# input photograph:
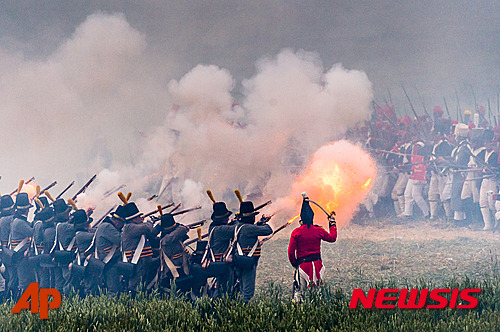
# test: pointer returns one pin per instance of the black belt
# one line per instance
(309, 258)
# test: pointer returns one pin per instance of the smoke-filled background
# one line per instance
(175, 97)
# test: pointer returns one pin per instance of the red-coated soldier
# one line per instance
(304, 249)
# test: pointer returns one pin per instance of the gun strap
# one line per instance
(138, 250)
(55, 240)
(240, 251)
(21, 244)
(208, 248)
(109, 255)
(33, 244)
(170, 265)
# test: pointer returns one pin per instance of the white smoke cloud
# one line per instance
(96, 105)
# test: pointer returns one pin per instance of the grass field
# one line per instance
(419, 255)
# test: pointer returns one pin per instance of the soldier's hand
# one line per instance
(332, 221)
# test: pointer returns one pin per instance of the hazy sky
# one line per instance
(436, 46)
(88, 81)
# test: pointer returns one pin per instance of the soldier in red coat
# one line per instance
(304, 249)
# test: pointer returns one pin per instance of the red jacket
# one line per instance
(307, 241)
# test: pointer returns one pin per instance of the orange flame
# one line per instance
(30, 189)
(292, 219)
(338, 178)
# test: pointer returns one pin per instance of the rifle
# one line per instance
(175, 208)
(279, 229)
(15, 190)
(48, 187)
(187, 210)
(85, 186)
(65, 189)
(98, 222)
(262, 205)
(416, 115)
(196, 224)
(446, 106)
(112, 191)
(155, 211)
(423, 105)
(458, 107)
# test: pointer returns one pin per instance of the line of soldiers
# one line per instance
(450, 170)
(126, 251)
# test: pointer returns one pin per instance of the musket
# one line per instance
(85, 186)
(279, 229)
(155, 211)
(15, 190)
(423, 105)
(262, 205)
(187, 210)
(98, 222)
(196, 224)
(446, 106)
(65, 190)
(415, 113)
(175, 208)
(195, 239)
(48, 187)
(385, 116)
(489, 110)
(112, 191)
(391, 152)
(458, 107)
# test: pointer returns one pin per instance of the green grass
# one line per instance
(271, 310)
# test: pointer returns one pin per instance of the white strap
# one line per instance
(138, 250)
(250, 254)
(110, 254)
(208, 248)
(91, 245)
(170, 265)
(240, 251)
(21, 244)
(33, 243)
(71, 244)
(55, 240)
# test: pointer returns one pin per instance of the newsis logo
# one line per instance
(33, 296)
(414, 298)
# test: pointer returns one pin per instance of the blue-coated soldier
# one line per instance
(41, 272)
(248, 248)
(83, 241)
(21, 234)
(135, 238)
(7, 207)
(219, 238)
(108, 240)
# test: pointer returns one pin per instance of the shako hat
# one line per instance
(60, 206)
(306, 213)
(130, 211)
(46, 214)
(220, 211)
(118, 213)
(22, 201)
(247, 209)
(6, 203)
(45, 203)
(79, 217)
(167, 221)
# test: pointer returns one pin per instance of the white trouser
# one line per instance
(439, 190)
(471, 187)
(486, 203)
(398, 192)
(413, 194)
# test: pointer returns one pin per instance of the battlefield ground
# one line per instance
(370, 254)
